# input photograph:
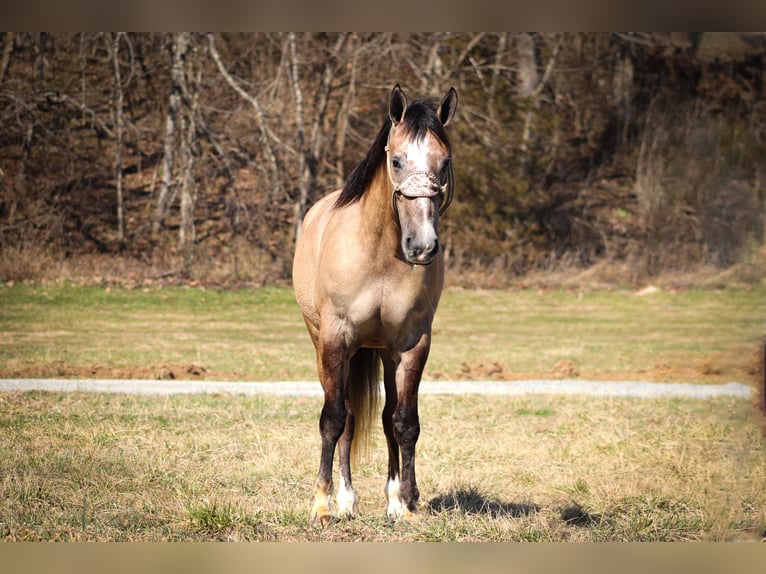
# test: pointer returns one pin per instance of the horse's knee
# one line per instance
(332, 421)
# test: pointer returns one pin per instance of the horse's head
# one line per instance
(419, 163)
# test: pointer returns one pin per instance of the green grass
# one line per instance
(706, 335)
(693, 335)
(128, 468)
(241, 334)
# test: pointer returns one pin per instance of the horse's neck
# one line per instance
(377, 213)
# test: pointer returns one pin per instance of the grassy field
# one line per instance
(537, 468)
(126, 468)
(692, 336)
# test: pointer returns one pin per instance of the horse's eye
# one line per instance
(396, 163)
(444, 168)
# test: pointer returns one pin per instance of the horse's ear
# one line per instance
(447, 107)
(397, 105)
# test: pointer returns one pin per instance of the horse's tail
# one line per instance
(363, 394)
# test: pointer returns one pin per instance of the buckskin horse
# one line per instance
(368, 273)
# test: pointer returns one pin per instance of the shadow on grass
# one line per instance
(471, 501)
(576, 515)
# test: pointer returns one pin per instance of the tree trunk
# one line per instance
(623, 88)
(502, 42)
(530, 87)
(187, 230)
(118, 124)
(527, 66)
(5, 59)
(528, 81)
(42, 38)
(345, 111)
(179, 46)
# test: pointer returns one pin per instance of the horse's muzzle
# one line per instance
(418, 252)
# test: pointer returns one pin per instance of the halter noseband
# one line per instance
(421, 184)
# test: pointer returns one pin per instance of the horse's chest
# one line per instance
(402, 306)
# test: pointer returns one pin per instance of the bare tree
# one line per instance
(5, 58)
(188, 185)
(179, 46)
(267, 135)
(311, 150)
(346, 106)
(113, 43)
(531, 85)
(500, 53)
(558, 146)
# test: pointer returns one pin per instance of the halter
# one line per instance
(421, 184)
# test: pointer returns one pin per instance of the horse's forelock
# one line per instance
(420, 118)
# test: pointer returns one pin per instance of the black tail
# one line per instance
(363, 394)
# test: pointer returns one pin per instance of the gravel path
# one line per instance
(639, 389)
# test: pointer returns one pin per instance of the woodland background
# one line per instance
(148, 157)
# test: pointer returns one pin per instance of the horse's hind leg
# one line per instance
(394, 507)
(346, 497)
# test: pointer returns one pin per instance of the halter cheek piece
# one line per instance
(421, 184)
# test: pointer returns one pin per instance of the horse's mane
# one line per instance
(419, 119)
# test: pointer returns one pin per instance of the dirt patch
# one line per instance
(708, 370)
(499, 371)
(719, 369)
(565, 368)
(63, 369)
(481, 370)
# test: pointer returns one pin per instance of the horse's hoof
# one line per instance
(321, 517)
(395, 510)
(403, 514)
(412, 516)
(346, 515)
(321, 521)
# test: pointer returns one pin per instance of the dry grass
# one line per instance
(240, 263)
(112, 467)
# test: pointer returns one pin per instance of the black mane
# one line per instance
(419, 119)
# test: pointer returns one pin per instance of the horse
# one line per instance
(368, 273)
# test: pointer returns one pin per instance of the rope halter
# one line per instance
(421, 184)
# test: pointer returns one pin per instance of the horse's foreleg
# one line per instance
(407, 430)
(406, 422)
(332, 423)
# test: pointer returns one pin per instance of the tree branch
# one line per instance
(266, 133)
